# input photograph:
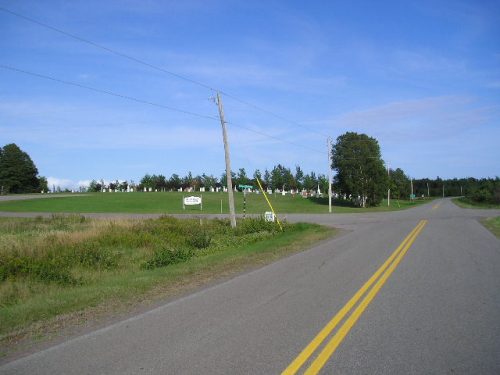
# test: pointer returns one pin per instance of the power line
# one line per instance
(142, 62)
(142, 101)
(273, 114)
(107, 92)
(107, 49)
(274, 137)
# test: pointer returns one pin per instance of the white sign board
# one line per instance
(192, 201)
(269, 216)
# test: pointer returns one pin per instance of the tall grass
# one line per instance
(70, 260)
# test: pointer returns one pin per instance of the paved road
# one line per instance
(437, 313)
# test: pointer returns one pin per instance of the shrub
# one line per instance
(200, 239)
(92, 255)
(43, 269)
(164, 256)
(252, 225)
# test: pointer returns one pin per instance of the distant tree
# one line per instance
(289, 179)
(159, 182)
(360, 169)
(242, 178)
(208, 181)
(278, 177)
(299, 177)
(266, 179)
(42, 184)
(146, 182)
(123, 185)
(18, 173)
(174, 182)
(310, 181)
(223, 179)
(323, 183)
(257, 175)
(399, 184)
(94, 187)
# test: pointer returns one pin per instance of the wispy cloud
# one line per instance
(416, 119)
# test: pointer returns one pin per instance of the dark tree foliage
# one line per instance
(18, 173)
(360, 169)
(484, 190)
(399, 184)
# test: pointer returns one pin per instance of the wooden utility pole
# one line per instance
(329, 146)
(232, 214)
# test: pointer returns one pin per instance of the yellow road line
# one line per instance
(337, 339)
(436, 206)
(323, 334)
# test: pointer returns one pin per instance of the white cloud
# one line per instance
(63, 183)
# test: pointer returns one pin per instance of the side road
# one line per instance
(437, 313)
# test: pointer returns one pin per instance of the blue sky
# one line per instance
(423, 77)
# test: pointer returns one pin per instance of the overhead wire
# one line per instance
(107, 92)
(142, 101)
(152, 66)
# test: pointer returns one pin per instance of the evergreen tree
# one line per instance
(18, 173)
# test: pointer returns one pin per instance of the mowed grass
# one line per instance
(466, 203)
(171, 203)
(68, 264)
(493, 224)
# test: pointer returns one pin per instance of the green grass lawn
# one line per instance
(171, 203)
(493, 224)
(466, 203)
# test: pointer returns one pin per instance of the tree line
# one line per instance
(361, 177)
(280, 177)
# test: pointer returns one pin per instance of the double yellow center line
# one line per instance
(377, 281)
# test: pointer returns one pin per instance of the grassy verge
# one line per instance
(59, 266)
(466, 203)
(171, 203)
(493, 224)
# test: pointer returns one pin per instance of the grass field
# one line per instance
(465, 203)
(171, 203)
(493, 224)
(69, 264)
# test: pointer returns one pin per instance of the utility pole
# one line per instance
(389, 187)
(411, 182)
(443, 190)
(428, 195)
(232, 214)
(329, 146)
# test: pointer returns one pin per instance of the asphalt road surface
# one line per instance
(428, 282)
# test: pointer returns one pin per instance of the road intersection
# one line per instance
(431, 306)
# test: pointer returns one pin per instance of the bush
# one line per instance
(92, 255)
(164, 256)
(43, 269)
(252, 225)
(200, 239)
